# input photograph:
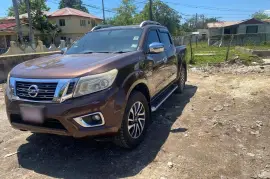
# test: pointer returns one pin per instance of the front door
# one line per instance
(170, 69)
(154, 65)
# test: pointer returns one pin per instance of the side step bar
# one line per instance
(155, 107)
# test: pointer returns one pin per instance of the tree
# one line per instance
(124, 14)
(202, 21)
(163, 14)
(260, 15)
(39, 19)
(34, 5)
(76, 4)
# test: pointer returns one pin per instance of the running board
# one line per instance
(155, 107)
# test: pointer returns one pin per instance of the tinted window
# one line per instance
(116, 40)
(152, 37)
(165, 39)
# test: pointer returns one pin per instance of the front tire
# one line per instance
(135, 122)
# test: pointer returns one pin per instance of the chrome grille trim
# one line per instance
(53, 94)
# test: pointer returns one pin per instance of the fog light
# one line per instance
(91, 120)
(96, 117)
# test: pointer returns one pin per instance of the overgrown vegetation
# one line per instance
(39, 19)
(204, 54)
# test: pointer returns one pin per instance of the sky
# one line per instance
(226, 10)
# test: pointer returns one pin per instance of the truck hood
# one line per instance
(63, 66)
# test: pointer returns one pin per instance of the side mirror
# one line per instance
(63, 50)
(156, 47)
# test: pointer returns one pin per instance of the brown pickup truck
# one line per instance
(106, 84)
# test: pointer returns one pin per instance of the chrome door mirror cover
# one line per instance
(156, 47)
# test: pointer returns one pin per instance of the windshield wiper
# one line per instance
(122, 51)
(87, 52)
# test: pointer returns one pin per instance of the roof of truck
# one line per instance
(129, 27)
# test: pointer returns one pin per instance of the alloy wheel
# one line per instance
(136, 120)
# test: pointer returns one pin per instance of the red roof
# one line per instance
(6, 26)
(71, 12)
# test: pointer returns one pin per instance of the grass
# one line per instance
(220, 54)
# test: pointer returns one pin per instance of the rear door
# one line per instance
(154, 64)
(171, 64)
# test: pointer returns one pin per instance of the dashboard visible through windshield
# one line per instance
(107, 41)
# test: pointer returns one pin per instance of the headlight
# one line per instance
(8, 78)
(94, 83)
(9, 88)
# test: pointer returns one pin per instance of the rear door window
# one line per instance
(165, 39)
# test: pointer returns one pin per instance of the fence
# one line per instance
(225, 47)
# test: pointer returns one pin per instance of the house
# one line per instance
(72, 22)
(248, 30)
(8, 32)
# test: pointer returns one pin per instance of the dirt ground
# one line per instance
(219, 128)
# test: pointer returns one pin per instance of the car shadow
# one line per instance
(66, 157)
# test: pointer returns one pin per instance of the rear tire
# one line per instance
(135, 122)
(181, 82)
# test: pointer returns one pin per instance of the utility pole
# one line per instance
(31, 33)
(196, 21)
(150, 10)
(203, 26)
(196, 24)
(103, 11)
(17, 18)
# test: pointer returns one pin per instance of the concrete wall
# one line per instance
(9, 61)
(215, 31)
(15, 49)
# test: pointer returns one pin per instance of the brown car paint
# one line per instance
(134, 69)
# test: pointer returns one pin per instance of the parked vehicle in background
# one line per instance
(107, 83)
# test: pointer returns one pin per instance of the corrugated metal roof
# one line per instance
(222, 24)
(6, 26)
(72, 12)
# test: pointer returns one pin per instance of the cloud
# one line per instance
(267, 12)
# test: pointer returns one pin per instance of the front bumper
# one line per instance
(59, 117)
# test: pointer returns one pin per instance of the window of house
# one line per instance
(93, 23)
(63, 38)
(88, 22)
(252, 29)
(230, 30)
(165, 39)
(152, 37)
(83, 23)
(62, 22)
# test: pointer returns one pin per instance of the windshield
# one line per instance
(107, 41)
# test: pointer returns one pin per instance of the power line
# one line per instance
(208, 7)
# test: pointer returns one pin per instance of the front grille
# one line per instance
(45, 90)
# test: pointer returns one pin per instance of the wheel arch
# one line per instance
(136, 81)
